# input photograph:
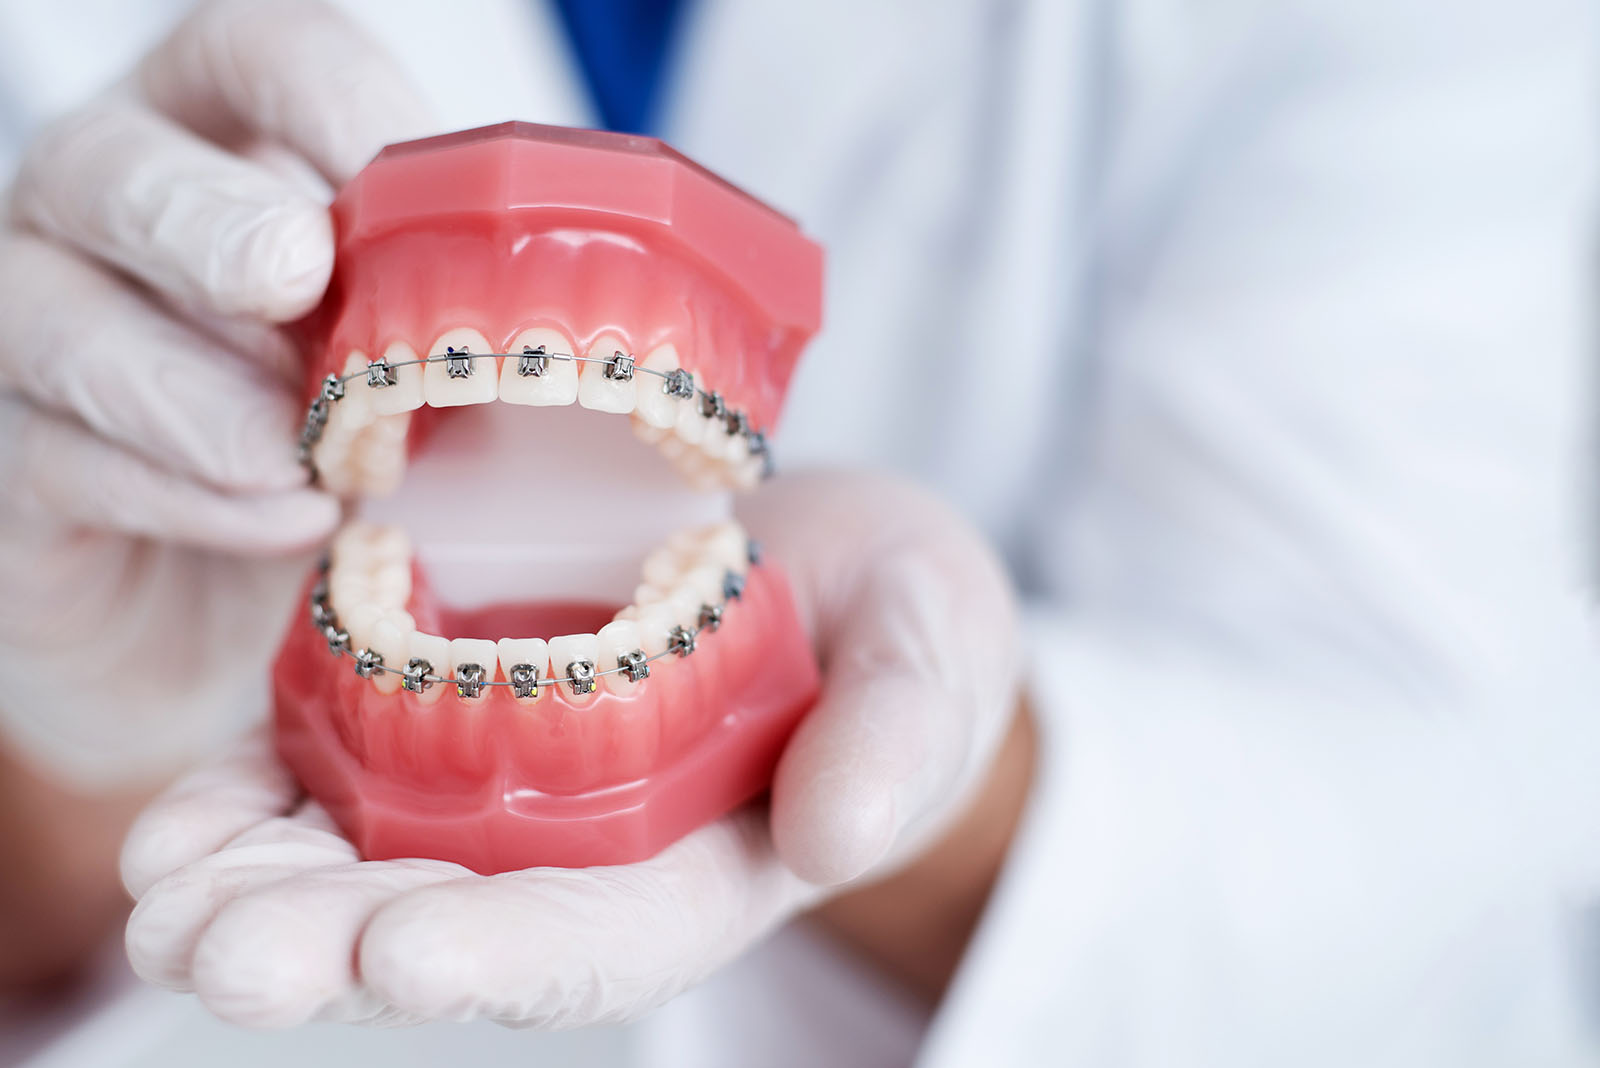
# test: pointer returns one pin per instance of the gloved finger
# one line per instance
(284, 954)
(206, 809)
(137, 377)
(558, 948)
(136, 190)
(169, 920)
(57, 471)
(916, 631)
(296, 72)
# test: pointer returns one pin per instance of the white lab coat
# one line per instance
(1257, 334)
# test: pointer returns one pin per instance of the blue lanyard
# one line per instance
(622, 47)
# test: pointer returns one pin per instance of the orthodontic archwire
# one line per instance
(524, 679)
(532, 362)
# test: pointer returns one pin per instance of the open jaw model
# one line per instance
(569, 654)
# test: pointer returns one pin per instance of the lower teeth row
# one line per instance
(524, 679)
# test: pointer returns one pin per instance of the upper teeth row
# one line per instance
(608, 378)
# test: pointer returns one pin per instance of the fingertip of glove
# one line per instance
(286, 255)
(827, 839)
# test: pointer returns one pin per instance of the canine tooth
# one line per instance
(597, 389)
(436, 651)
(391, 639)
(655, 407)
(559, 382)
(465, 651)
(567, 650)
(406, 393)
(444, 385)
(357, 402)
(514, 652)
(614, 640)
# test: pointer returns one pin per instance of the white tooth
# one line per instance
(644, 594)
(474, 651)
(360, 622)
(436, 651)
(655, 621)
(715, 442)
(388, 545)
(685, 606)
(738, 449)
(534, 651)
(613, 640)
(705, 583)
(690, 425)
(357, 401)
(406, 393)
(558, 384)
(564, 651)
(479, 387)
(747, 476)
(650, 435)
(378, 456)
(595, 390)
(726, 547)
(347, 586)
(391, 639)
(662, 568)
(391, 585)
(655, 406)
(353, 544)
(702, 473)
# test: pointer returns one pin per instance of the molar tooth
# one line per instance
(654, 406)
(568, 649)
(465, 651)
(436, 651)
(514, 652)
(391, 585)
(596, 389)
(662, 568)
(444, 389)
(558, 384)
(650, 435)
(655, 621)
(388, 544)
(406, 393)
(352, 544)
(360, 622)
(391, 639)
(685, 606)
(705, 583)
(614, 640)
(726, 548)
(715, 442)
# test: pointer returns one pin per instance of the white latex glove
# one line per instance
(250, 897)
(148, 408)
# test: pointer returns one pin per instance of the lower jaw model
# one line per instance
(552, 355)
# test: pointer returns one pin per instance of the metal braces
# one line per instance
(524, 680)
(532, 362)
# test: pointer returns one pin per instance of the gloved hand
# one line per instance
(249, 896)
(147, 408)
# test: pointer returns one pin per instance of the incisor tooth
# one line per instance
(567, 649)
(558, 384)
(480, 386)
(516, 651)
(406, 393)
(656, 408)
(464, 651)
(598, 392)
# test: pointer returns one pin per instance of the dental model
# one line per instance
(524, 674)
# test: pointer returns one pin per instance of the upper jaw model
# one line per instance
(595, 658)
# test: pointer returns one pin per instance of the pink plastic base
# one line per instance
(489, 785)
